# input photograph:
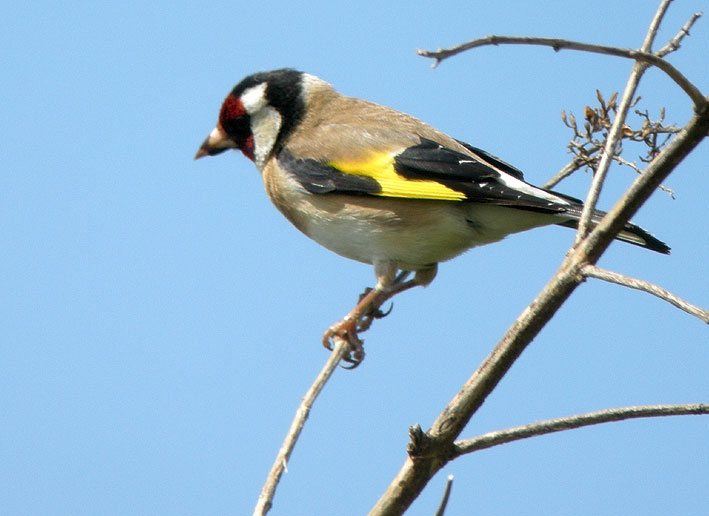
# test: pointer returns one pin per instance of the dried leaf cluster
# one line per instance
(588, 140)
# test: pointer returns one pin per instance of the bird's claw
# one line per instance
(355, 354)
(376, 313)
(359, 320)
(368, 317)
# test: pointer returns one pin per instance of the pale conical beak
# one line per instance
(216, 142)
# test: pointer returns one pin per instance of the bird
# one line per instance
(379, 186)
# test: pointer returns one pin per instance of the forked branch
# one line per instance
(434, 447)
(559, 44)
(430, 451)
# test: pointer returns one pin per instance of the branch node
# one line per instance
(420, 442)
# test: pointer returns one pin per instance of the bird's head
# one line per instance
(258, 114)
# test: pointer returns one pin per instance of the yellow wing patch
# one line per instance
(380, 167)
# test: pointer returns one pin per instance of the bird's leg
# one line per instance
(347, 328)
(367, 309)
(374, 312)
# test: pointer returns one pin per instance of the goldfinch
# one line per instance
(380, 186)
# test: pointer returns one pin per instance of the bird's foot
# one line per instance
(346, 329)
(368, 309)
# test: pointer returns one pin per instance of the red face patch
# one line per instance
(235, 122)
(232, 109)
(248, 147)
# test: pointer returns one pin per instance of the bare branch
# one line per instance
(549, 426)
(268, 490)
(437, 445)
(632, 165)
(430, 451)
(591, 271)
(655, 25)
(674, 43)
(446, 494)
(637, 169)
(615, 134)
(566, 171)
(559, 44)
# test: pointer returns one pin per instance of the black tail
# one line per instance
(630, 233)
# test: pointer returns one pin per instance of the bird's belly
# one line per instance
(412, 233)
(415, 234)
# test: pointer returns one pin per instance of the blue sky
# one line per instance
(161, 320)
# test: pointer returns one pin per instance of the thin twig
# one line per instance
(655, 25)
(674, 43)
(568, 169)
(446, 495)
(268, 491)
(630, 164)
(614, 136)
(637, 169)
(591, 271)
(558, 44)
(549, 426)
(616, 130)
(615, 133)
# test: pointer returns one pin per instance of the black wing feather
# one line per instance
(432, 161)
(479, 180)
(320, 178)
(494, 160)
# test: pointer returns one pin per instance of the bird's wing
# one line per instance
(423, 170)
(382, 163)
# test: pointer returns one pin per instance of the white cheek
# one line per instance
(265, 122)
(265, 125)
